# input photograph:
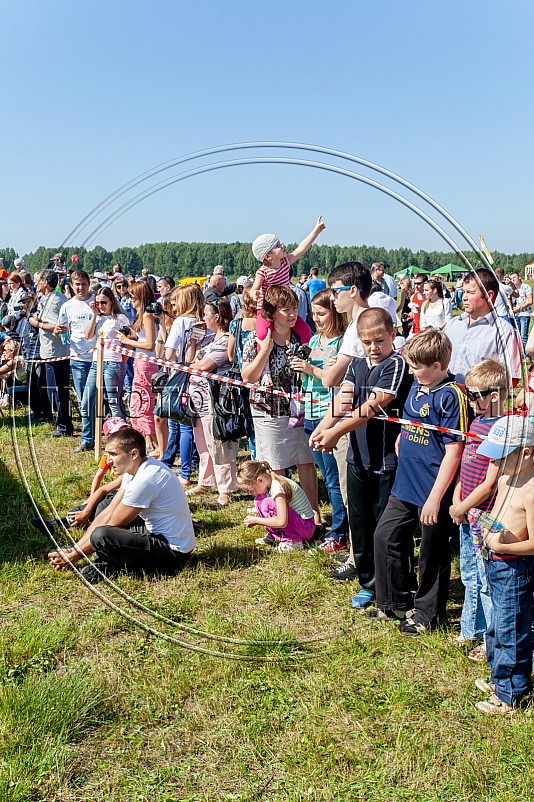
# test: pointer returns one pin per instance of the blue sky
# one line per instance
(96, 93)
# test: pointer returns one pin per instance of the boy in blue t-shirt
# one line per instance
(428, 461)
(372, 386)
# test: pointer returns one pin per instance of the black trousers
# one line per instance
(368, 495)
(38, 396)
(394, 562)
(57, 381)
(137, 550)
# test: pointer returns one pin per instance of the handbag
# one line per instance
(231, 419)
(173, 399)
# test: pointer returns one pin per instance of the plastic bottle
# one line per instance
(65, 336)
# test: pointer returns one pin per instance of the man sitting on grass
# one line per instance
(148, 489)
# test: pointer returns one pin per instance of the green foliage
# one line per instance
(184, 259)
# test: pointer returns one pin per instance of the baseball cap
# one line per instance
(384, 302)
(112, 425)
(507, 434)
(60, 256)
(218, 270)
(244, 281)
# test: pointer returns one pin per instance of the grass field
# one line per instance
(94, 707)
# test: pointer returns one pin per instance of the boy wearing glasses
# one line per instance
(487, 385)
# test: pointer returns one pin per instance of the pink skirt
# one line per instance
(142, 399)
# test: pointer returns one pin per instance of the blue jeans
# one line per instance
(522, 325)
(180, 438)
(113, 384)
(328, 467)
(80, 372)
(476, 612)
(128, 378)
(509, 634)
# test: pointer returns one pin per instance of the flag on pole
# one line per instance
(485, 249)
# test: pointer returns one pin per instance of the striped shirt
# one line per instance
(273, 278)
(474, 467)
(299, 500)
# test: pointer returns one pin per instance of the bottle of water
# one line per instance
(65, 336)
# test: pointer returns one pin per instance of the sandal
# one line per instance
(478, 654)
(223, 501)
(198, 490)
(183, 482)
(458, 640)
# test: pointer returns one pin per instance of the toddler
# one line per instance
(275, 271)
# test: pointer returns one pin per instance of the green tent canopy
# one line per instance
(448, 270)
(411, 270)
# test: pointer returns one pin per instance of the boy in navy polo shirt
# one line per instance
(372, 386)
(428, 461)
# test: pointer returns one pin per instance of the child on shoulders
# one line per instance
(275, 271)
(282, 506)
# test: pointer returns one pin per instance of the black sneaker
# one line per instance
(344, 573)
(379, 615)
(49, 527)
(412, 627)
(95, 573)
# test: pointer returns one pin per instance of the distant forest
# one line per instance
(183, 259)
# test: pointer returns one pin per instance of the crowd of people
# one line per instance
(395, 395)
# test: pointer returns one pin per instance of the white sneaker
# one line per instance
(266, 540)
(289, 545)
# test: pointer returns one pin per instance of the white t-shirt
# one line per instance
(109, 326)
(79, 314)
(156, 490)
(178, 335)
(391, 285)
(351, 345)
(502, 306)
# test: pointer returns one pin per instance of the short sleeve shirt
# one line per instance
(524, 291)
(474, 467)
(79, 315)
(49, 311)
(109, 326)
(351, 345)
(299, 500)
(372, 446)
(155, 489)
(216, 350)
(421, 450)
(177, 337)
(317, 397)
(272, 278)
(484, 337)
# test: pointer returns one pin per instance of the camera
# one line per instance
(18, 308)
(125, 330)
(155, 308)
(299, 351)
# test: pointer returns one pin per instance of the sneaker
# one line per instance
(412, 627)
(386, 615)
(494, 705)
(49, 527)
(344, 573)
(93, 574)
(266, 540)
(83, 447)
(329, 545)
(363, 599)
(288, 545)
(485, 687)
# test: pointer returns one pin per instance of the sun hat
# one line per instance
(263, 244)
(507, 434)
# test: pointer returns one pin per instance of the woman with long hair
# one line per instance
(331, 325)
(188, 308)
(143, 338)
(267, 362)
(106, 321)
(436, 310)
(217, 459)
(403, 308)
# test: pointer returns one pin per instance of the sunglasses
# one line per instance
(475, 395)
(336, 290)
(103, 303)
(418, 283)
(121, 286)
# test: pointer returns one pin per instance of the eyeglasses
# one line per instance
(475, 395)
(336, 290)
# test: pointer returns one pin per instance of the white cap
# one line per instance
(19, 262)
(263, 244)
(218, 270)
(507, 434)
(384, 302)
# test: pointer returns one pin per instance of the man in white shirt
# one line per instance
(387, 283)
(149, 490)
(76, 314)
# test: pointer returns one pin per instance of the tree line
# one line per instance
(183, 259)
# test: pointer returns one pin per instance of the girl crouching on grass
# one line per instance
(282, 505)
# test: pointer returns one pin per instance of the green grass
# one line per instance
(93, 707)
